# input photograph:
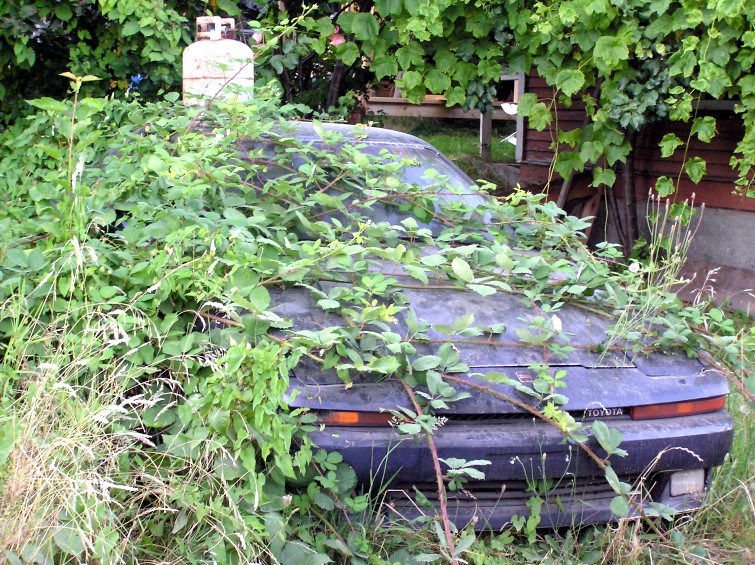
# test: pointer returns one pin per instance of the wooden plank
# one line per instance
(486, 134)
(520, 131)
(429, 108)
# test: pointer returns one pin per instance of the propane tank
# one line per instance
(215, 62)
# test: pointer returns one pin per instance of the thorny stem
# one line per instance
(438, 477)
(235, 324)
(330, 526)
(583, 446)
(729, 375)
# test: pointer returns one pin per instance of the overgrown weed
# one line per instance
(144, 375)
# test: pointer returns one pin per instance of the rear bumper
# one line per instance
(529, 451)
(565, 503)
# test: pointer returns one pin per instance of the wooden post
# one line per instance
(486, 133)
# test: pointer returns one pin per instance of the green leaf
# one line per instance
(432, 260)
(570, 81)
(610, 51)
(619, 506)
(427, 557)
(229, 7)
(704, 128)
(567, 13)
(591, 151)
(260, 298)
(12, 558)
(388, 7)
(463, 322)
(568, 162)
(540, 117)
(219, 420)
(324, 501)
(749, 383)
(410, 429)
(68, 539)
(664, 186)
(409, 80)
(365, 27)
(340, 546)
(462, 270)
(437, 81)
(413, 6)
(669, 143)
(417, 273)
(324, 26)
(616, 152)
(601, 176)
(615, 483)
(482, 290)
(608, 438)
(385, 365)
(301, 554)
(410, 55)
(131, 27)
(7, 441)
(526, 103)
(49, 104)
(712, 79)
(63, 12)
(695, 168)
(426, 362)
(456, 96)
(328, 304)
(384, 66)
(348, 53)
(682, 63)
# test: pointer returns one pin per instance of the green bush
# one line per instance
(143, 369)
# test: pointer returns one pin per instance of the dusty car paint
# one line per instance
(522, 450)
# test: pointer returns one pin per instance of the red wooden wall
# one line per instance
(715, 189)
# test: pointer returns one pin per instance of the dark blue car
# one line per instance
(670, 409)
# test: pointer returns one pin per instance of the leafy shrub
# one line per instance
(144, 373)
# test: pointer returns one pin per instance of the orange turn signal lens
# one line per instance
(347, 418)
(673, 409)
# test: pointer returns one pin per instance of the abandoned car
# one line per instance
(669, 408)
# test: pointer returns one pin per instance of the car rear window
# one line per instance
(428, 184)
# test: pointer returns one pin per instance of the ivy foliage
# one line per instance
(145, 366)
(631, 62)
(641, 61)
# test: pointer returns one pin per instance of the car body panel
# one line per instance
(521, 449)
(526, 448)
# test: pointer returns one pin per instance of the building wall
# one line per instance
(715, 190)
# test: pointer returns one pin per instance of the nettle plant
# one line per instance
(145, 372)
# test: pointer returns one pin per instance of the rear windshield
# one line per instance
(427, 184)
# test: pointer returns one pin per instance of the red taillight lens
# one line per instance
(347, 418)
(673, 409)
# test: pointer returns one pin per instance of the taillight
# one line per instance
(673, 409)
(349, 418)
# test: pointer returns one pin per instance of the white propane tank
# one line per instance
(214, 63)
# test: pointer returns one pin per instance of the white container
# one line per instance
(214, 66)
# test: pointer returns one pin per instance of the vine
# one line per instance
(145, 344)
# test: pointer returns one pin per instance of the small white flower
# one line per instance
(634, 267)
(556, 321)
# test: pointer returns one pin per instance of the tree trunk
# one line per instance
(336, 84)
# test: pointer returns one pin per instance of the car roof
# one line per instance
(306, 132)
